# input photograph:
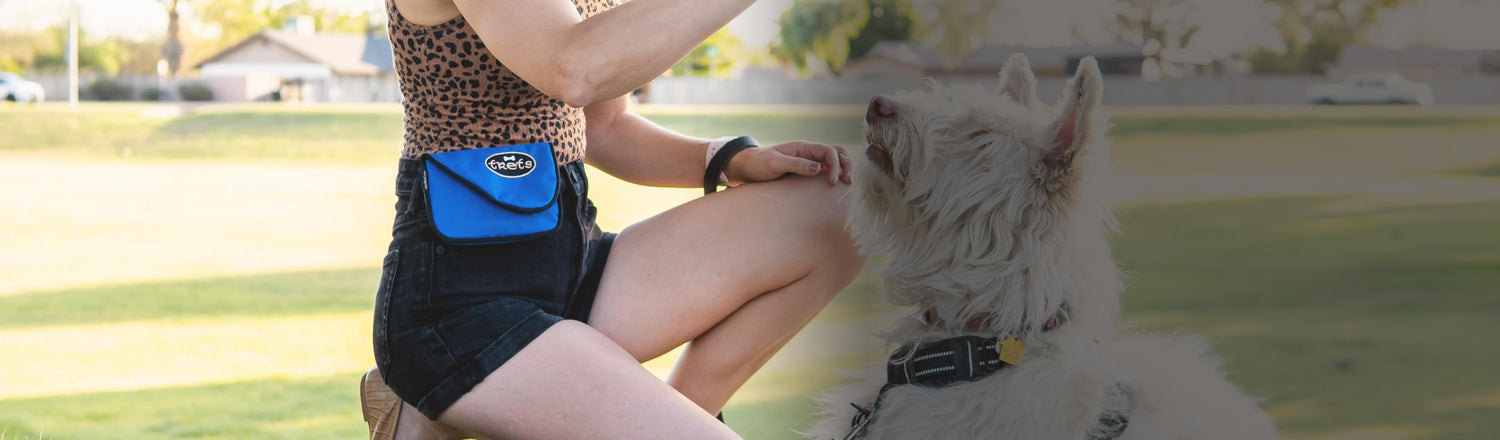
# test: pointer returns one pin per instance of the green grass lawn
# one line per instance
(1298, 243)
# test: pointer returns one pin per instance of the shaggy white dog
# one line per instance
(989, 206)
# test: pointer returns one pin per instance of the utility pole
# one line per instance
(73, 54)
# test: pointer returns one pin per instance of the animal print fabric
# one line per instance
(457, 96)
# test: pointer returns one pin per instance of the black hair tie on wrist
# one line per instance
(721, 160)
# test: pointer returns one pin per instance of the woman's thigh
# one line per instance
(573, 382)
(672, 277)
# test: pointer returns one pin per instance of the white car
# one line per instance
(13, 88)
(1372, 89)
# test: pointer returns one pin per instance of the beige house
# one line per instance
(298, 65)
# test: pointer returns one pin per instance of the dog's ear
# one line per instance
(1017, 81)
(1071, 127)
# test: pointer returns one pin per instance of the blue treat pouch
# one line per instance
(492, 195)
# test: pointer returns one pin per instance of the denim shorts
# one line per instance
(447, 315)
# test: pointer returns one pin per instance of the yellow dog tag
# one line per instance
(1011, 350)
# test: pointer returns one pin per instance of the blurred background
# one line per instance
(198, 193)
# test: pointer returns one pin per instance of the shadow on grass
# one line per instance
(279, 294)
(1490, 170)
(282, 134)
(305, 408)
(1342, 319)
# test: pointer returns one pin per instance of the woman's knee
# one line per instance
(826, 207)
(822, 206)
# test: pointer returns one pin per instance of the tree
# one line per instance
(326, 17)
(232, 20)
(821, 30)
(171, 48)
(46, 52)
(717, 56)
(890, 20)
(836, 31)
(1316, 32)
(962, 27)
(1158, 26)
(1349, 20)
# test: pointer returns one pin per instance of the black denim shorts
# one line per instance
(447, 315)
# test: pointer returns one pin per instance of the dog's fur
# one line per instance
(988, 204)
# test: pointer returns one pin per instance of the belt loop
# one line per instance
(575, 177)
(418, 191)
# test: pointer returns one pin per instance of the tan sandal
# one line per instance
(381, 407)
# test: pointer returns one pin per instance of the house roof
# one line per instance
(344, 53)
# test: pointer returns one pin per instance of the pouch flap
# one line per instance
(520, 178)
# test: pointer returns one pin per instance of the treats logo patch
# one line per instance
(511, 164)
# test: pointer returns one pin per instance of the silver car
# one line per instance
(1388, 88)
(13, 88)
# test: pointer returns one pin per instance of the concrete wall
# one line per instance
(1118, 90)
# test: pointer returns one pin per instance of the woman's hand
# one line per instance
(797, 157)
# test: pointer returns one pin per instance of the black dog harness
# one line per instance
(958, 360)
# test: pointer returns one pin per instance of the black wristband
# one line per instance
(721, 160)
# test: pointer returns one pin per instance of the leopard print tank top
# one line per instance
(456, 95)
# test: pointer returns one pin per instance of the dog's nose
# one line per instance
(880, 108)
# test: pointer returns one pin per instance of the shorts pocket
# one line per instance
(381, 334)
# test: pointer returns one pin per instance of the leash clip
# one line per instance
(861, 420)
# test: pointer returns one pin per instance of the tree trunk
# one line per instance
(171, 50)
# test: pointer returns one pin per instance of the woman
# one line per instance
(541, 338)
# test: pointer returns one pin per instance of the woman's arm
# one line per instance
(664, 158)
(583, 62)
(632, 148)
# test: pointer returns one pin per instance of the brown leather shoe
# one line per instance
(382, 409)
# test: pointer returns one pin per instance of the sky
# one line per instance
(1237, 24)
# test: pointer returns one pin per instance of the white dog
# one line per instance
(990, 210)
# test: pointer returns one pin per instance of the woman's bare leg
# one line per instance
(573, 382)
(737, 273)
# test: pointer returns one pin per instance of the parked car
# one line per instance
(1372, 89)
(13, 88)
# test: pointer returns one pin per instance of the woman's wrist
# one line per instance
(719, 153)
(708, 157)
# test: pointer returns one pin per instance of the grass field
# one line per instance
(208, 274)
